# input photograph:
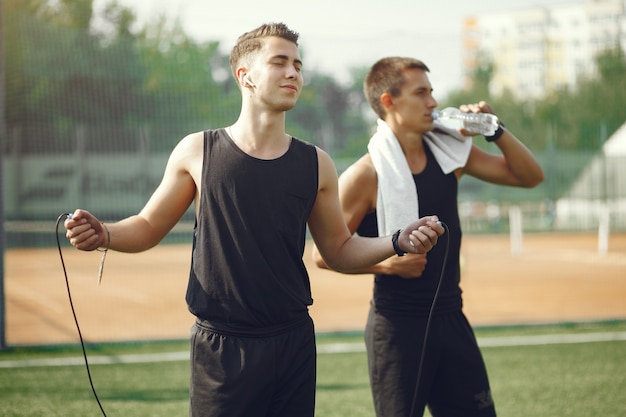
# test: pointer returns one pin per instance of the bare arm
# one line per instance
(160, 214)
(358, 187)
(345, 252)
(516, 166)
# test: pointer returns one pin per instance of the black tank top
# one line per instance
(247, 273)
(394, 294)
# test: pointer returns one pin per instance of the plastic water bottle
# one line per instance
(480, 123)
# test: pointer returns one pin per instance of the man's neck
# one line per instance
(261, 136)
(412, 145)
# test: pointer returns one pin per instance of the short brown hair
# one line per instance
(251, 42)
(386, 76)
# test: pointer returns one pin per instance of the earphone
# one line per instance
(247, 79)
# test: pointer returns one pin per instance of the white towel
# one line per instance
(397, 201)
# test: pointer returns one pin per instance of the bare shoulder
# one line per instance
(362, 170)
(327, 170)
(358, 187)
(365, 166)
(187, 155)
(325, 161)
(192, 143)
(322, 155)
(188, 148)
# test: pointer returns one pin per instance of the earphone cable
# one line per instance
(69, 294)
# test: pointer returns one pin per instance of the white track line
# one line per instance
(531, 340)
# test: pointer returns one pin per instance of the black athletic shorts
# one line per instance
(453, 379)
(253, 376)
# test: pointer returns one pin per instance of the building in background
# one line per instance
(537, 50)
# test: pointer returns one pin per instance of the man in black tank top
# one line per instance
(255, 189)
(450, 377)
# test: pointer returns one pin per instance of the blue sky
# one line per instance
(337, 35)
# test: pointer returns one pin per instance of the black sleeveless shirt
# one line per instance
(393, 294)
(247, 274)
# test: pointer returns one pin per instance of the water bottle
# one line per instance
(480, 123)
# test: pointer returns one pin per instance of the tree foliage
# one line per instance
(572, 119)
(130, 88)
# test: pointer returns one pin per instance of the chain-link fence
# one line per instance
(90, 121)
(580, 191)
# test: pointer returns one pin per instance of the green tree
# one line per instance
(14, 14)
(604, 97)
(71, 14)
(64, 75)
(361, 119)
(188, 84)
(327, 114)
(578, 118)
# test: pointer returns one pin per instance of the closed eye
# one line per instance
(282, 60)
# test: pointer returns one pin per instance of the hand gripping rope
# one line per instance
(430, 315)
(69, 294)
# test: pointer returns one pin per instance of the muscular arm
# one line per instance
(348, 253)
(357, 194)
(516, 166)
(160, 214)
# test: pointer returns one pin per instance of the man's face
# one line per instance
(277, 74)
(413, 107)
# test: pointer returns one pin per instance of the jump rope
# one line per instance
(82, 342)
(69, 294)
(429, 319)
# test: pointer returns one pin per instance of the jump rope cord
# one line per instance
(69, 294)
(82, 343)
(428, 321)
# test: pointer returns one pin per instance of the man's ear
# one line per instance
(386, 100)
(241, 75)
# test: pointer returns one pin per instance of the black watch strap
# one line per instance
(396, 247)
(499, 131)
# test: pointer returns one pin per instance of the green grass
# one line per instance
(586, 379)
(568, 379)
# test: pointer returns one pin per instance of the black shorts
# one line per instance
(453, 380)
(268, 376)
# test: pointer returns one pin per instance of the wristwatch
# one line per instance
(499, 131)
(396, 247)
